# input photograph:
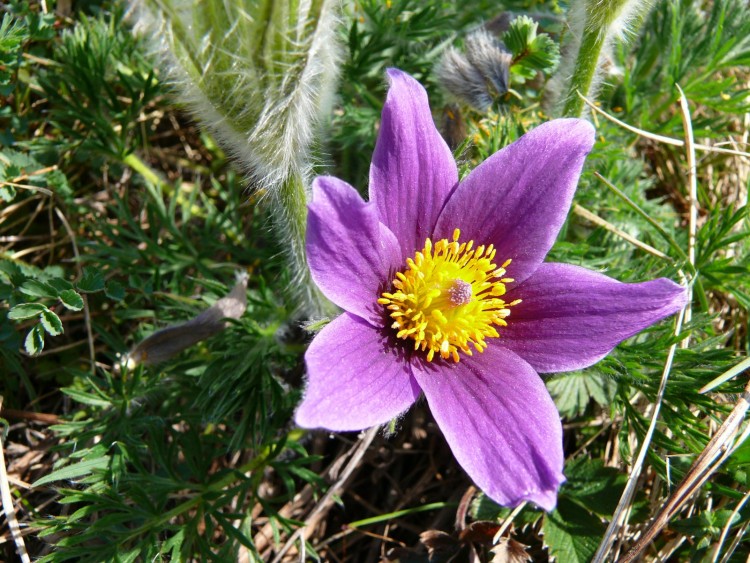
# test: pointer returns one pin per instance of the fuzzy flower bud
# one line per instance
(479, 75)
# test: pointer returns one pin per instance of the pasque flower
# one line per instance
(445, 293)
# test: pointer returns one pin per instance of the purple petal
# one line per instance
(355, 379)
(519, 197)
(412, 169)
(571, 317)
(351, 255)
(501, 424)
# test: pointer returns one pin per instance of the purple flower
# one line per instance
(445, 293)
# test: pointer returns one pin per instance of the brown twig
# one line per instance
(702, 468)
(41, 417)
(86, 310)
(619, 516)
(327, 501)
(592, 217)
(659, 138)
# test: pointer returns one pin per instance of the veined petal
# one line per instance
(412, 168)
(571, 317)
(500, 423)
(355, 379)
(519, 197)
(351, 255)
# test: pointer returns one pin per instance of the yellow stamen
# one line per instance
(449, 297)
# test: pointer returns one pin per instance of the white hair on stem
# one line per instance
(261, 76)
(606, 20)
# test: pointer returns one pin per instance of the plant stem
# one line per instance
(585, 68)
(289, 210)
(148, 173)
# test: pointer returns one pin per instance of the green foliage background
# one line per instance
(119, 217)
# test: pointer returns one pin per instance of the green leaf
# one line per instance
(87, 398)
(174, 544)
(592, 485)
(60, 284)
(484, 508)
(91, 280)
(34, 342)
(51, 322)
(531, 52)
(12, 271)
(7, 192)
(36, 288)
(26, 311)
(571, 533)
(543, 53)
(80, 469)
(130, 556)
(71, 299)
(12, 35)
(316, 326)
(706, 523)
(573, 391)
(58, 182)
(17, 163)
(115, 290)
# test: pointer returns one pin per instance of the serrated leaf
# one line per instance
(34, 342)
(531, 51)
(36, 288)
(91, 280)
(12, 271)
(58, 182)
(71, 299)
(59, 284)
(484, 508)
(18, 163)
(51, 322)
(706, 523)
(80, 469)
(571, 533)
(521, 31)
(7, 192)
(573, 391)
(25, 311)
(12, 34)
(592, 485)
(115, 290)
(543, 53)
(741, 456)
(173, 545)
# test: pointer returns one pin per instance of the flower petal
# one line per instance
(351, 255)
(501, 424)
(571, 317)
(412, 168)
(519, 197)
(355, 378)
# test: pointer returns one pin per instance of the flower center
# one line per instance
(449, 297)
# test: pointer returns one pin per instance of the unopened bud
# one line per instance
(479, 75)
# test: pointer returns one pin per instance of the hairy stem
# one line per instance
(289, 222)
(599, 22)
(585, 69)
